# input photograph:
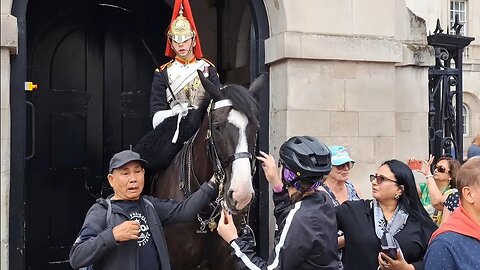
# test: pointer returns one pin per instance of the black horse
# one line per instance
(223, 147)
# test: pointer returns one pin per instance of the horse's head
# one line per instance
(233, 124)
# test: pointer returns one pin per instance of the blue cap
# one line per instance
(339, 155)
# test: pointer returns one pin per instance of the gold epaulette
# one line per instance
(211, 64)
(164, 66)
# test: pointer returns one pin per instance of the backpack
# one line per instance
(107, 222)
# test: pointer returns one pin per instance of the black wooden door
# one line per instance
(94, 78)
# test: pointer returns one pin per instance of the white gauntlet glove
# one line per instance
(179, 108)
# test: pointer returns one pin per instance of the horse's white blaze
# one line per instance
(241, 179)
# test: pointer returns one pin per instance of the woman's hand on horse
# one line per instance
(270, 169)
(226, 228)
(128, 230)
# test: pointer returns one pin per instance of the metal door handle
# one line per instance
(32, 131)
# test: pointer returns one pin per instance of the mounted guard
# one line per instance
(176, 91)
(176, 87)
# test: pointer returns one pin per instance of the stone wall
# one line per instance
(359, 81)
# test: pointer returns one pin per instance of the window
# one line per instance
(466, 122)
(458, 8)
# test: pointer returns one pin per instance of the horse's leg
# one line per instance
(185, 246)
(220, 253)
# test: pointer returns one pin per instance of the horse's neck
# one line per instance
(202, 163)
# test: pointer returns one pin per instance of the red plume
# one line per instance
(187, 12)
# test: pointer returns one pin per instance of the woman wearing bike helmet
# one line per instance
(305, 236)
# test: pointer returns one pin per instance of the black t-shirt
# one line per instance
(147, 251)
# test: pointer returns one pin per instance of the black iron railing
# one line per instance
(445, 88)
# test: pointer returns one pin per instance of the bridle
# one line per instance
(219, 170)
(219, 165)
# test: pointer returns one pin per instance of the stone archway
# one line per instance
(257, 33)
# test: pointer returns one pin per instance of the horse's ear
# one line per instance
(211, 88)
(257, 85)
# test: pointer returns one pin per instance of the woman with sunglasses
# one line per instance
(338, 186)
(337, 183)
(305, 237)
(438, 185)
(390, 232)
(451, 202)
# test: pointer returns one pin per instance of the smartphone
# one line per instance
(224, 209)
(415, 164)
(391, 252)
(225, 218)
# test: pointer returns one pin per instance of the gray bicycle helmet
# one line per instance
(309, 158)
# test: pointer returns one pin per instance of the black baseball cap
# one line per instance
(124, 157)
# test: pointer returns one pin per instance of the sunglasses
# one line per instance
(380, 178)
(440, 169)
(348, 165)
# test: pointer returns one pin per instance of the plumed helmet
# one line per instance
(180, 29)
(307, 157)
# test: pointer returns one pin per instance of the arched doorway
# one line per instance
(94, 77)
(94, 73)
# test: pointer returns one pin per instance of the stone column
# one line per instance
(8, 48)
(350, 77)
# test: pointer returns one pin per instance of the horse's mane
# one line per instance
(242, 101)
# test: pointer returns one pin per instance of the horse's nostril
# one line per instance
(230, 194)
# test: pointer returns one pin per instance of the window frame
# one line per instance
(466, 119)
(452, 11)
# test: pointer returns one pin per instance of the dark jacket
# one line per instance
(306, 237)
(96, 244)
(355, 219)
(158, 94)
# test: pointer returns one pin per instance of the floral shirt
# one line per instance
(435, 214)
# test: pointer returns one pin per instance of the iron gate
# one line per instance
(445, 119)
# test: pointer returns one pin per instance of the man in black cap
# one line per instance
(125, 230)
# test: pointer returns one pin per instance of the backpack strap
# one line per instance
(147, 201)
(109, 212)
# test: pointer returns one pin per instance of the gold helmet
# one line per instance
(180, 29)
